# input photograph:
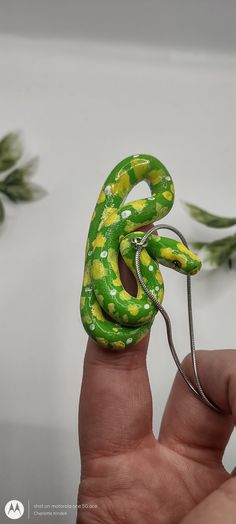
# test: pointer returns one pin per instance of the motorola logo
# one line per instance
(14, 509)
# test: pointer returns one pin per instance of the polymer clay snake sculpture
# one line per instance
(110, 315)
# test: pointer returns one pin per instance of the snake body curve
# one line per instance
(110, 315)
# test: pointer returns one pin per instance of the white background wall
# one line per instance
(90, 83)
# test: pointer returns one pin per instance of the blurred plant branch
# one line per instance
(16, 184)
(218, 252)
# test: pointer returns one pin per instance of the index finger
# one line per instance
(115, 411)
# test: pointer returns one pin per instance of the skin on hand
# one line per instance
(130, 476)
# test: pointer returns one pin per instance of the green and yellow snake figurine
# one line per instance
(110, 315)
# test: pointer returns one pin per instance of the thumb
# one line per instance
(218, 508)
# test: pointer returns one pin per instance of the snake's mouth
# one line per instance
(195, 270)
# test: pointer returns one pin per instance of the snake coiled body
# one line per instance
(110, 315)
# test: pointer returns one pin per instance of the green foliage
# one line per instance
(11, 150)
(218, 252)
(208, 219)
(16, 185)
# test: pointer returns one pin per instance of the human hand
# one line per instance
(131, 476)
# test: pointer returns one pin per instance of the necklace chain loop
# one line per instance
(139, 243)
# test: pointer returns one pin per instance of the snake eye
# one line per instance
(176, 263)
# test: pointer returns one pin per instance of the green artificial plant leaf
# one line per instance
(24, 172)
(214, 254)
(11, 150)
(24, 192)
(37, 192)
(16, 192)
(16, 184)
(201, 215)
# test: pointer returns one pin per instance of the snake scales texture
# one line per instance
(110, 315)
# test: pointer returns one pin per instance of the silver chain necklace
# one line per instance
(139, 243)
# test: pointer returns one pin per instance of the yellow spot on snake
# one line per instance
(159, 277)
(160, 294)
(162, 211)
(115, 330)
(99, 241)
(101, 197)
(106, 213)
(118, 345)
(155, 176)
(87, 278)
(139, 205)
(124, 295)
(114, 217)
(82, 302)
(86, 319)
(140, 167)
(97, 312)
(123, 185)
(184, 249)
(98, 270)
(117, 282)
(102, 341)
(145, 258)
(172, 188)
(113, 259)
(121, 237)
(133, 309)
(111, 308)
(125, 244)
(168, 195)
(166, 252)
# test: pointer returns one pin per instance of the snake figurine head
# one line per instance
(175, 255)
(110, 315)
